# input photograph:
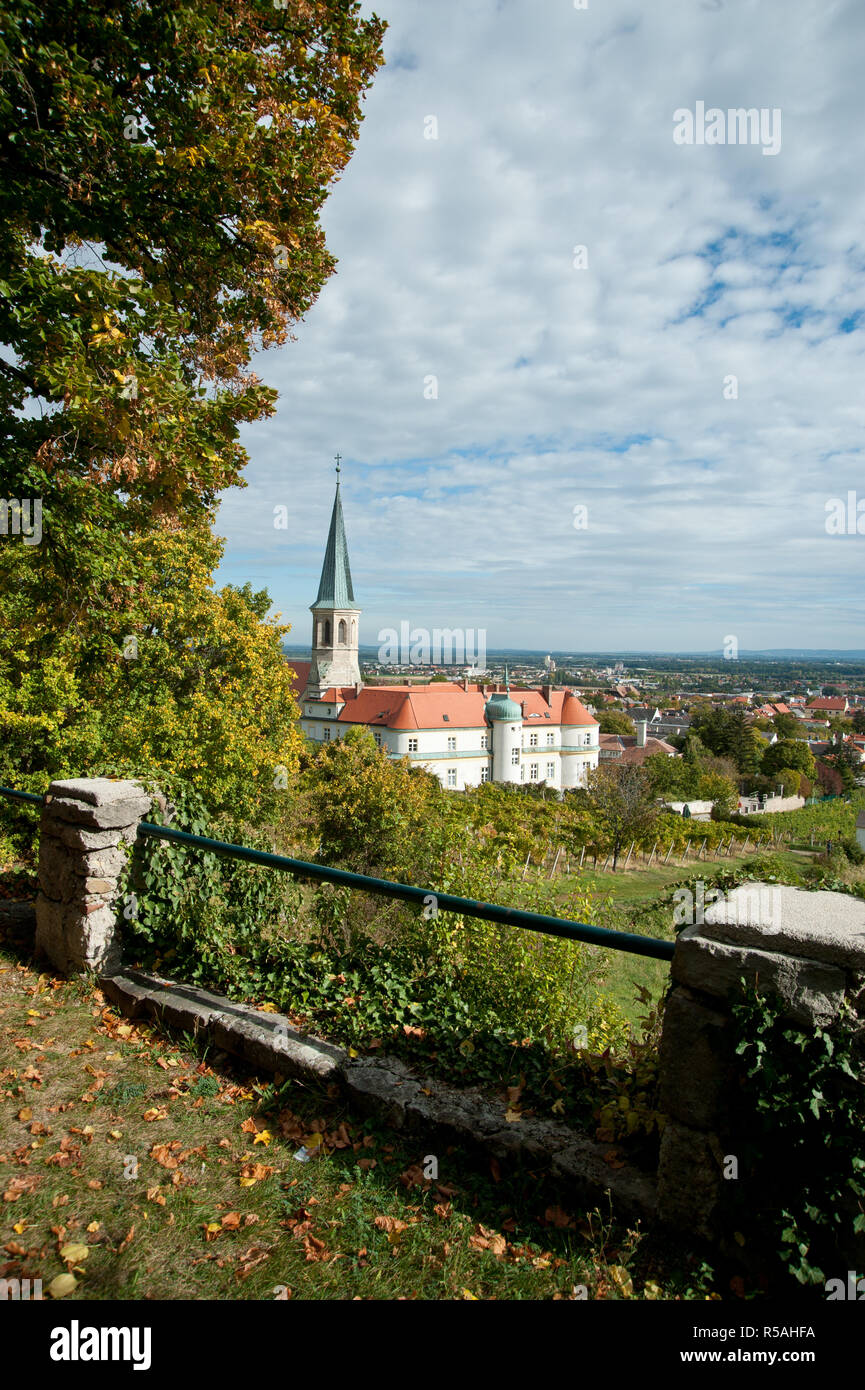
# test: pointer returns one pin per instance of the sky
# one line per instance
(629, 446)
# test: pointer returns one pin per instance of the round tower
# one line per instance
(506, 721)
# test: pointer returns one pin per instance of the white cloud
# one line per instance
(602, 386)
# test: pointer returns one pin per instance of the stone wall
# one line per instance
(805, 948)
(87, 826)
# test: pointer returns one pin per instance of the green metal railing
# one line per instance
(422, 897)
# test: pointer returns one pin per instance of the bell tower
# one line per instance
(334, 614)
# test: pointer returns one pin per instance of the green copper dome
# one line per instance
(502, 707)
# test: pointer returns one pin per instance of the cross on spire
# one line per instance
(338, 458)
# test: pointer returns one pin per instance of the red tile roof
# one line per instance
(425, 707)
(300, 676)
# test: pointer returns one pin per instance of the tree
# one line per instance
(787, 726)
(622, 804)
(374, 815)
(844, 760)
(788, 753)
(162, 173)
(789, 780)
(721, 790)
(615, 721)
(184, 681)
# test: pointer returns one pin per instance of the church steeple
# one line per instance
(334, 587)
(334, 614)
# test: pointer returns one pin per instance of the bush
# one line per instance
(853, 850)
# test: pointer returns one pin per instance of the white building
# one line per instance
(464, 733)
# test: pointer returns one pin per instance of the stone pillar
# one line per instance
(87, 825)
(806, 948)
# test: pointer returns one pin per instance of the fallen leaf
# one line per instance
(555, 1216)
(622, 1280)
(390, 1223)
(62, 1285)
(484, 1239)
(25, 1114)
(74, 1252)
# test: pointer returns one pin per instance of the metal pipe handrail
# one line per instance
(424, 897)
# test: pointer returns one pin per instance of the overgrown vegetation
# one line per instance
(800, 1106)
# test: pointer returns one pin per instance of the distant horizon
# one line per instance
(827, 654)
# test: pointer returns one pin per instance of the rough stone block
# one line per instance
(77, 837)
(274, 1046)
(108, 817)
(129, 997)
(820, 925)
(695, 1053)
(380, 1087)
(689, 1179)
(811, 991)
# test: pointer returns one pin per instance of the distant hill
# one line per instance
(536, 657)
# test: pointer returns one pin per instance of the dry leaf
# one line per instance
(62, 1285)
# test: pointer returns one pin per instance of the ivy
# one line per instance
(801, 1105)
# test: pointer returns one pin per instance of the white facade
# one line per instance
(512, 752)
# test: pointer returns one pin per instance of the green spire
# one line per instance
(334, 588)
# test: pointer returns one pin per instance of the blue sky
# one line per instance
(605, 386)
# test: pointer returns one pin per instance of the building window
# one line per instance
(327, 632)
(485, 774)
(533, 772)
(377, 737)
(523, 773)
(327, 735)
(551, 738)
(341, 631)
(551, 771)
(412, 745)
(485, 740)
(452, 744)
(452, 776)
(588, 738)
(515, 756)
(533, 740)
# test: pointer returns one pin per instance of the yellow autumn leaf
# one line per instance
(74, 1252)
(622, 1280)
(512, 1115)
(62, 1285)
(263, 1137)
